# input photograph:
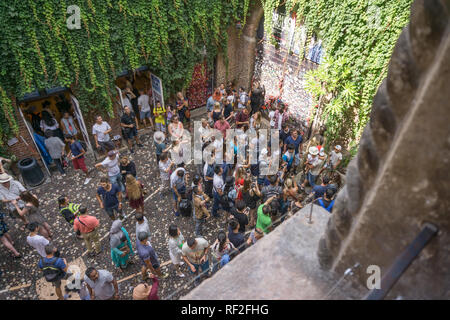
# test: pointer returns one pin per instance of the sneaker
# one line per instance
(181, 275)
(86, 181)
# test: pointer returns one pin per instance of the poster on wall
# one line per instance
(157, 90)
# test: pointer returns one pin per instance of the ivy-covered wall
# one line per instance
(358, 36)
(38, 51)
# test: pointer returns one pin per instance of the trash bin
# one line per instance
(31, 173)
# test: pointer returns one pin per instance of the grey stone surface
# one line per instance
(282, 265)
(353, 187)
(367, 158)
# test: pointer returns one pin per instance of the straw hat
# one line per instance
(314, 151)
(4, 177)
(159, 136)
(141, 291)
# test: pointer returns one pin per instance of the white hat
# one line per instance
(159, 136)
(338, 147)
(322, 152)
(4, 177)
(314, 151)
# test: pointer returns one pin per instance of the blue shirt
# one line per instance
(296, 143)
(159, 148)
(58, 263)
(210, 104)
(146, 252)
(288, 158)
(109, 197)
(319, 190)
(76, 148)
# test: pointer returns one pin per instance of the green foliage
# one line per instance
(168, 36)
(358, 37)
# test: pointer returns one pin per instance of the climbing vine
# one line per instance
(38, 51)
(358, 37)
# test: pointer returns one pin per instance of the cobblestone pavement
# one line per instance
(158, 210)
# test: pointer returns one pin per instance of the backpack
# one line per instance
(52, 273)
(185, 207)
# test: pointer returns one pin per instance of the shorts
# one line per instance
(110, 211)
(106, 145)
(56, 283)
(130, 134)
(145, 114)
(175, 258)
(78, 163)
(160, 127)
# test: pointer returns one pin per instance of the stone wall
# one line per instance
(400, 177)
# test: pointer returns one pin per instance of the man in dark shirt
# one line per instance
(236, 237)
(271, 190)
(242, 119)
(326, 201)
(109, 197)
(284, 133)
(129, 124)
(240, 215)
(319, 190)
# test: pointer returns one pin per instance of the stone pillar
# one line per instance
(400, 177)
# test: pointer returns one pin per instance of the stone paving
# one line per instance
(19, 277)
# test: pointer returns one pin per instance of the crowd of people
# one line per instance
(233, 191)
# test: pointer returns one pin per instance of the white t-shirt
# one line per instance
(243, 98)
(218, 183)
(335, 157)
(195, 255)
(38, 242)
(143, 227)
(174, 177)
(103, 287)
(163, 167)
(99, 130)
(112, 165)
(143, 102)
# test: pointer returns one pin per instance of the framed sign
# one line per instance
(157, 90)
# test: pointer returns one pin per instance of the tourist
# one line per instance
(160, 145)
(208, 174)
(55, 147)
(228, 113)
(222, 125)
(255, 121)
(127, 95)
(201, 212)
(148, 257)
(145, 291)
(142, 225)
(178, 182)
(296, 139)
(32, 213)
(210, 105)
(218, 188)
(101, 284)
(243, 99)
(111, 166)
(144, 109)
(176, 129)
(176, 241)
(87, 226)
(120, 243)
(327, 201)
(129, 124)
(9, 191)
(54, 269)
(319, 190)
(68, 126)
(159, 113)
(109, 198)
(48, 122)
(68, 210)
(289, 156)
(311, 167)
(241, 213)
(6, 238)
(273, 189)
(284, 133)
(221, 250)
(165, 166)
(264, 221)
(135, 193)
(216, 113)
(335, 158)
(35, 240)
(76, 154)
(255, 235)
(195, 254)
(235, 236)
(183, 108)
(250, 195)
(100, 131)
(242, 119)
(257, 97)
(127, 167)
(290, 195)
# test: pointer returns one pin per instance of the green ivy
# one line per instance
(358, 37)
(168, 36)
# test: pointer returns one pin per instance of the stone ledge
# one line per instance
(282, 265)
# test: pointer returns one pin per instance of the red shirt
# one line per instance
(222, 127)
(241, 117)
(87, 224)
